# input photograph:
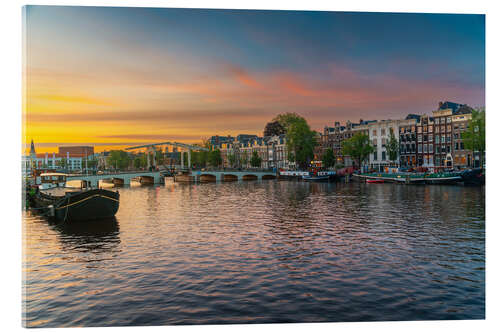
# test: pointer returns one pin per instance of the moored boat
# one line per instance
(473, 176)
(50, 180)
(319, 176)
(92, 204)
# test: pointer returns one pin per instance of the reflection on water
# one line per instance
(270, 251)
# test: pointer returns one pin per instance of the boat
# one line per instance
(50, 180)
(473, 177)
(77, 206)
(319, 176)
(374, 181)
(438, 178)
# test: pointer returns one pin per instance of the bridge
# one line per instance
(119, 178)
(182, 146)
(228, 175)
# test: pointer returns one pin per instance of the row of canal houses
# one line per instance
(430, 141)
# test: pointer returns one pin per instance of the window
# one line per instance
(419, 129)
(448, 119)
(448, 128)
(437, 121)
(425, 137)
(374, 155)
(443, 139)
(425, 128)
(456, 145)
(420, 148)
(436, 129)
(383, 142)
(383, 156)
(420, 138)
(374, 132)
(382, 131)
(448, 137)
(462, 145)
(431, 148)
(431, 139)
(437, 138)
(375, 142)
(425, 148)
(448, 148)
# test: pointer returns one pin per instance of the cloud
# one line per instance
(243, 76)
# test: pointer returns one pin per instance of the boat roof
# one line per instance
(53, 174)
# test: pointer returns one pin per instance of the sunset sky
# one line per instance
(113, 77)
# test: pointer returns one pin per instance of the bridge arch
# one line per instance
(118, 181)
(268, 177)
(207, 178)
(250, 177)
(147, 180)
(230, 178)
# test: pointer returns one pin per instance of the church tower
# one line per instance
(32, 150)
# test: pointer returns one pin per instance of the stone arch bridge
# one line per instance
(120, 178)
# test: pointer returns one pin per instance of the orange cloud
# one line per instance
(243, 77)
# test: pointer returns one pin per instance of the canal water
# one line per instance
(262, 252)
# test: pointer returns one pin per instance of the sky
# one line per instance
(114, 77)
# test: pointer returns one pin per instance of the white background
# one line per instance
(10, 161)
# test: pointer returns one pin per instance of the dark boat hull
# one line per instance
(316, 179)
(81, 206)
(473, 177)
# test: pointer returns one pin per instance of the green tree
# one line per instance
(137, 162)
(475, 136)
(328, 158)
(300, 139)
(358, 147)
(91, 163)
(392, 147)
(231, 158)
(244, 158)
(62, 163)
(215, 158)
(118, 159)
(274, 128)
(255, 161)
(159, 156)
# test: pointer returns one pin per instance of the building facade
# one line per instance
(379, 133)
(408, 141)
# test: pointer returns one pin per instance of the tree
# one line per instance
(159, 156)
(274, 128)
(287, 119)
(301, 140)
(392, 147)
(255, 161)
(328, 158)
(118, 159)
(475, 136)
(215, 158)
(137, 162)
(231, 158)
(62, 163)
(92, 163)
(358, 147)
(244, 158)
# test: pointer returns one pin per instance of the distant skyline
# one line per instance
(116, 76)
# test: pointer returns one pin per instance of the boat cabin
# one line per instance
(51, 180)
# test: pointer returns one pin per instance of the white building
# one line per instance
(49, 161)
(379, 133)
